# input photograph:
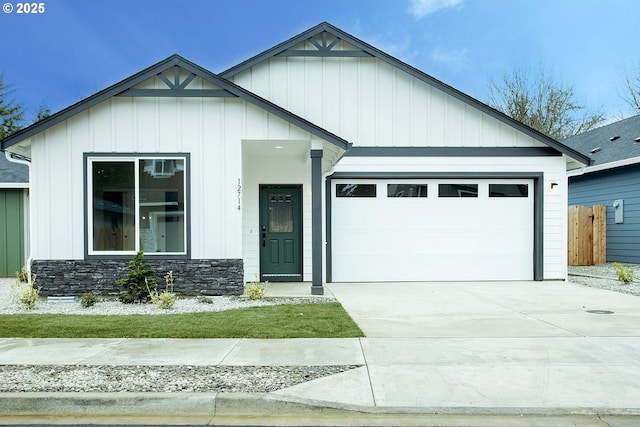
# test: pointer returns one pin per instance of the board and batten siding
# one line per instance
(13, 239)
(555, 203)
(603, 188)
(370, 103)
(209, 129)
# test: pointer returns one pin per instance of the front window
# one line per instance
(137, 204)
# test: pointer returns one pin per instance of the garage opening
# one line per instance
(431, 230)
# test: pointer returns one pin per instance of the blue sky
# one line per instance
(78, 47)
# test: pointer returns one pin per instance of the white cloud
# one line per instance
(455, 59)
(421, 8)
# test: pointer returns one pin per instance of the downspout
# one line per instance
(27, 163)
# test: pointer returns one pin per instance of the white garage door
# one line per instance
(432, 230)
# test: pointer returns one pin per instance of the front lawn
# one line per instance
(280, 321)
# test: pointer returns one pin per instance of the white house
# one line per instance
(320, 160)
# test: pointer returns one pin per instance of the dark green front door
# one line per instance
(281, 233)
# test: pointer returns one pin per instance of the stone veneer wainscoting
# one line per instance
(191, 276)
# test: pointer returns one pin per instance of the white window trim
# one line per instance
(136, 165)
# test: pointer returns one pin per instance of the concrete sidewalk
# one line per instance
(516, 354)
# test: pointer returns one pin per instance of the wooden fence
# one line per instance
(587, 235)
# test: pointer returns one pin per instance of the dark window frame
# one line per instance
(89, 158)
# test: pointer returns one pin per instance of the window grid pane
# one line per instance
(508, 190)
(281, 213)
(113, 206)
(162, 227)
(406, 190)
(355, 190)
(457, 190)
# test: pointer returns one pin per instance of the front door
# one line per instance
(281, 233)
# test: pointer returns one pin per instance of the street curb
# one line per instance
(245, 404)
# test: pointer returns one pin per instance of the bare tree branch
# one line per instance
(542, 103)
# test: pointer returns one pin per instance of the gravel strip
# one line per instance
(155, 379)
(603, 276)
(182, 305)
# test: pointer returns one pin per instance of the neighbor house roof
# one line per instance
(324, 49)
(227, 88)
(609, 146)
(13, 173)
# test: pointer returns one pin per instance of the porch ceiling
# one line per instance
(277, 148)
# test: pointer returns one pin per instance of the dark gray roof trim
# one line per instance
(154, 70)
(326, 27)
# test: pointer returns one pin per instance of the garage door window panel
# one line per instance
(457, 190)
(406, 190)
(356, 190)
(508, 190)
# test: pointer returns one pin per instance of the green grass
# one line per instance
(280, 321)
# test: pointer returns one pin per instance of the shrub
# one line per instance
(89, 299)
(23, 275)
(204, 300)
(140, 279)
(25, 294)
(166, 299)
(255, 289)
(625, 274)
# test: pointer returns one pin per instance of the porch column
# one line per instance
(316, 222)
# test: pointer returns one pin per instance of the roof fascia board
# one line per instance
(603, 167)
(420, 75)
(14, 185)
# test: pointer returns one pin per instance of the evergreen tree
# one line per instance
(11, 113)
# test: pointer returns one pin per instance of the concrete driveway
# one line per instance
(487, 309)
(527, 345)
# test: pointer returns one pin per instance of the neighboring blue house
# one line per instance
(612, 179)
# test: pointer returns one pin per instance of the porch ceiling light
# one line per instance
(279, 147)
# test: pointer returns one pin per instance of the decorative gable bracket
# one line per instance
(324, 48)
(177, 88)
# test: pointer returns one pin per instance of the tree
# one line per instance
(542, 103)
(11, 114)
(43, 113)
(632, 90)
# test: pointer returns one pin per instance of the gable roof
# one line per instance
(12, 173)
(610, 144)
(126, 88)
(364, 49)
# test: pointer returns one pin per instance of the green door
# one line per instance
(11, 231)
(281, 233)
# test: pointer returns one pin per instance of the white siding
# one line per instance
(371, 103)
(209, 129)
